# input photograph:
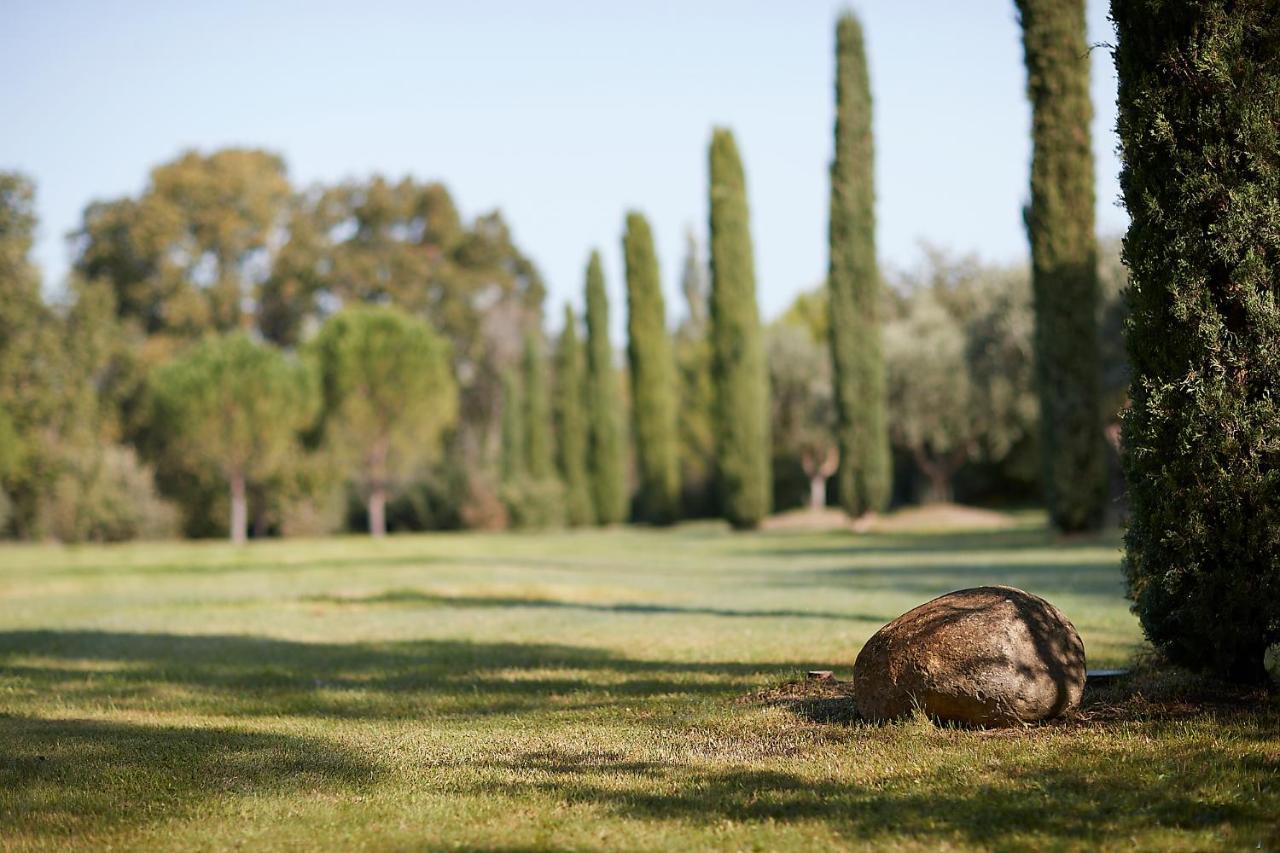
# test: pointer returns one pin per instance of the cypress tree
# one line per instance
(696, 424)
(1064, 268)
(738, 367)
(1199, 127)
(537, 411)
(652, 378)
(864, 477)
(605, 461)
(571, 427)
(514, 457)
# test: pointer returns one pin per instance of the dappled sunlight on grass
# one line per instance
(591, 689)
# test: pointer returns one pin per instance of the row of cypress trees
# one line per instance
(590, 455)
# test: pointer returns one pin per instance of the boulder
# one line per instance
(988, 656)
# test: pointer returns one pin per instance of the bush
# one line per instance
(534, 504)
(104, 495)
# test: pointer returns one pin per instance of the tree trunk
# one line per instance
(818, 492)
(378, 511)
(239, 509)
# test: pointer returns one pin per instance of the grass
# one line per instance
(586, 690)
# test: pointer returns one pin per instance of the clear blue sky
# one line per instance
(563, 113)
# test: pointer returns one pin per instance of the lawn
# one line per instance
(615, 689)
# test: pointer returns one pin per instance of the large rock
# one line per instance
(988, 656)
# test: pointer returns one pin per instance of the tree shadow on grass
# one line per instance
(1076, 794)
(250, 676)
(430, 599)
(61, 777)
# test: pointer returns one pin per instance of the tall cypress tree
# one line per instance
(537, 410)
(864, 478)
(738, 367)
(606, 462)
(515, 461)
(1064, 264)
(571, 428)
(1199, 127)
(696, 424)
(652, 378)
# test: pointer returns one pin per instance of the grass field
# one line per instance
(586, 690)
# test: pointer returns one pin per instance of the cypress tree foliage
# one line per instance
(1064, 262)
(1199, 126)
(652, 378)
(738, 366)
(696, 424)
(605, 449)
(514, 456)
(537, 411)
(864, 477)
(571, 427)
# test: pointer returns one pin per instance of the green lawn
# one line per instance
(583, 690)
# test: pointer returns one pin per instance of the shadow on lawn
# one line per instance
(61, 777)
(1081, 792)
(422, 597)
(249, 676)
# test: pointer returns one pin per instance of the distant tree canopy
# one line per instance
(802, 419)
(188, 255)
(237, 407)
(388, 393)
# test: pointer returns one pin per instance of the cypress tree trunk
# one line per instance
(1199, 127)
(864, 476)
(571, 427)
(537, 412)
(738, 366)
(605, 461)
(652, 379)
(1064, 264)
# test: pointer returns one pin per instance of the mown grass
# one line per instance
(587, 690)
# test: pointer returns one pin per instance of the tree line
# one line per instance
(269, 360)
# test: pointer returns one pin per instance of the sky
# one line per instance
(564, 114)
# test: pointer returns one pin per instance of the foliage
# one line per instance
(188, 255)
(864, 478)
(571, 427)
(515, 458)
(103, 495)
(959, 352)
(696, 424)
(1064, 257)
(606, 441)
(802, 423)
(234, 406)
(533, 503)
(388, 394)
(652, 379)
(738, 364)
(1199, 126)
(539, 453)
